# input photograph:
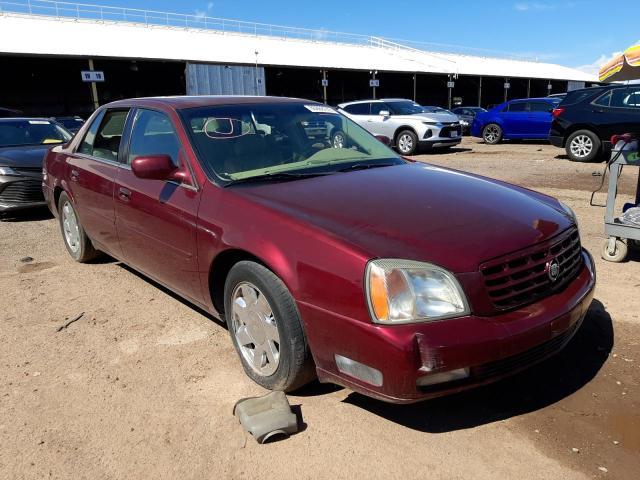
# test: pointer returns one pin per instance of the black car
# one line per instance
(466, 116)
(23, 143)
(72, 124)
(586, 119)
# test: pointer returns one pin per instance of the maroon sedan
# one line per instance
(327, 258)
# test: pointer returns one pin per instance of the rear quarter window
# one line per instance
(578, 96)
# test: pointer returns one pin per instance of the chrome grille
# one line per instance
(523, 277)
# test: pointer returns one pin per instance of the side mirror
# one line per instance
(154, 167)
(384, 139)
(384, 113)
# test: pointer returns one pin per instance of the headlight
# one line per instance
(569, 211)
(431, 123)
(8, 171)
(405, 291)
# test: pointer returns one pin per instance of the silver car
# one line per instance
(407, 124)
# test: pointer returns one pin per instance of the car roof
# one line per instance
(24, 119)
(191, 101)
(375, 100)
(545, 99)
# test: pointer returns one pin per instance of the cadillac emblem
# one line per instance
(553, 270)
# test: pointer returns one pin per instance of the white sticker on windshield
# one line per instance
(39, 122)
(319, 109)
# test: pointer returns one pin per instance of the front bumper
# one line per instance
(490, 347)
(20, 192)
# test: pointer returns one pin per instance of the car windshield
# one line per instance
(31, 132)
(405, 107)
(431, 109)
(70, 122)
(238, 142)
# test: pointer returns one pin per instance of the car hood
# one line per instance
(419, 212)
(429, 117)
(23, 156)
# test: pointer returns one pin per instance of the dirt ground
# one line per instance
(142, 386)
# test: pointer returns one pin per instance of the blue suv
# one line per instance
(516, 119)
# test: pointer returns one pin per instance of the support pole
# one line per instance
(528, 88)
(480, 92)
(94, 88)
(415, 87)
(506, 90)
(374, 88)
(324, 86)
(449, 94)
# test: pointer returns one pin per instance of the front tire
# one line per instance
(492, 134)
(407, 142)
(266, 329)
(75, 239)
(583, 146)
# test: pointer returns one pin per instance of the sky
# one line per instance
(581, 33)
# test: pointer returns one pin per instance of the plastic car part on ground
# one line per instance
(267, 416)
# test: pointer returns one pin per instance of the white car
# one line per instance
(407, 124)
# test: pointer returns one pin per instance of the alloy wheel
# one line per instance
(491, 133)
(255, 330)
(338, 140)
(70, 227)
(581, 146)
(405, 143)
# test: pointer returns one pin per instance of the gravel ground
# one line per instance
(143, 384)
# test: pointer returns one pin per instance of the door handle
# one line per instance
(74, 174)
(124, 193)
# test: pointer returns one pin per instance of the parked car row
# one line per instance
(581, 121)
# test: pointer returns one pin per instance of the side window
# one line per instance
(517, 107)
(86, 146)
(107, 140)
(378, 107)
(153, 134)
(358, 109)
(632, 97)
(604, 100)
(540, 107)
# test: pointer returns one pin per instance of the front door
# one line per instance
(515, 119)
(156, 219)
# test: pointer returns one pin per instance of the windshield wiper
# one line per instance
(277, 177)
(365, 166)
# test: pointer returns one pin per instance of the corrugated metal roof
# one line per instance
(46, 35)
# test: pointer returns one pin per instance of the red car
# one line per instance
(399, 280)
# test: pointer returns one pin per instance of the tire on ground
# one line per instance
(295, 366)
(585, 138)
(84, 251)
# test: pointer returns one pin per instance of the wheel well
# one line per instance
(400, 129)
(57, 191)
(219, 270)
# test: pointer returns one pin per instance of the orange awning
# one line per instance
(622, 67)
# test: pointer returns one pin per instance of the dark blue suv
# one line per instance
(516, 119)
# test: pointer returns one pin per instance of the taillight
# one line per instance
(556, 112)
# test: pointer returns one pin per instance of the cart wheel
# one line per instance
(618, 255)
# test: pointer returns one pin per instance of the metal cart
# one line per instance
(621, 235)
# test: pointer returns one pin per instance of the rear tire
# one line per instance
(75, 239)
(266, 329)
(407, 142)
(583, 146)
(492, 134)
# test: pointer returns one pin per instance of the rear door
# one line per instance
(156, 219)
(359, 113)
(91, 173)
(540, 118)
(514, 118)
